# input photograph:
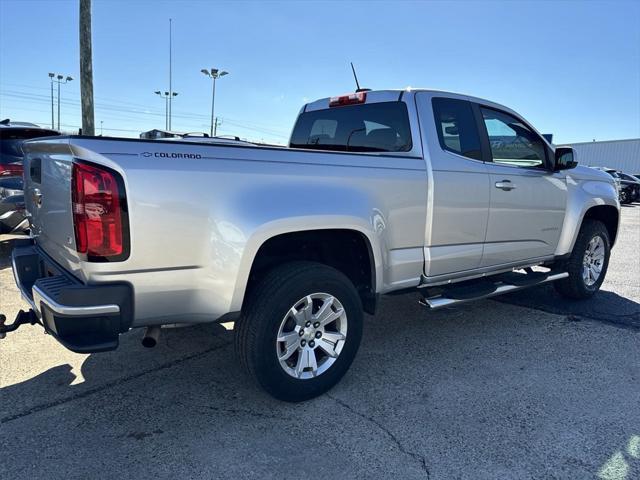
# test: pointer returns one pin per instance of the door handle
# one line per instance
(505, 185)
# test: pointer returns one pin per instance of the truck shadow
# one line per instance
(604, 306)
(101, 371)
(181, 346)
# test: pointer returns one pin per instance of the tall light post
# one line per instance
(60, 80)
(51, 76)
(167, 98)
(214, 74)
(171, 92)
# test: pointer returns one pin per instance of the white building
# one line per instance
(623, 155)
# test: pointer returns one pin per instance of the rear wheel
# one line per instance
(588, 263)
(300, 330)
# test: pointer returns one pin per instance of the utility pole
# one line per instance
(86, 69)
(217, 123)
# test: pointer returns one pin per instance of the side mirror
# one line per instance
(564, 159)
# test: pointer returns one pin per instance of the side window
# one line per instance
(456, 125)
(512, 142)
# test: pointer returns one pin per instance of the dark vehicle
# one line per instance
(630, 185)
(12, 135)
(625, 187)
(12, 214)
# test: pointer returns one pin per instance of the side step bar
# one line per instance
(485, 289)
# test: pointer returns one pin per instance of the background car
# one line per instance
(631, 185)
(12, 135)
(616, 179)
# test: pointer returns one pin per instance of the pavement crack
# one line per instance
(108, 385)
(416, 456)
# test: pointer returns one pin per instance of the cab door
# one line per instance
(458, 191)
(528, 199)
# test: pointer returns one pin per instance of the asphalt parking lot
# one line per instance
(527, 386)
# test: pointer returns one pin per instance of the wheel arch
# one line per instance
(347, 246)
(608, 215)
(596, 200)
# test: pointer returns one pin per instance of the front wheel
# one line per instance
(624, 196)
(588, 263)
(300, 330)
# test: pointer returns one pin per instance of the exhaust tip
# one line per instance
(149, 342)
(150, 338)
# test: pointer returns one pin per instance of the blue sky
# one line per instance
(571, 68)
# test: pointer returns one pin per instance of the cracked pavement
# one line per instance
(526, 386)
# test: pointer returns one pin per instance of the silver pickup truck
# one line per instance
(378, 191)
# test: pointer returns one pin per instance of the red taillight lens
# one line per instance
(350, 99)
(10, 170)
(98, 212)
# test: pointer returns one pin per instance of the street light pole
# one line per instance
(213, 102)
(59, 76)
(171, 92)
(59, 80)
(167, 105)
(51, 75)
(214, 74)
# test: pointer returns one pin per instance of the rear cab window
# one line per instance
(373, 127)
(456, 127)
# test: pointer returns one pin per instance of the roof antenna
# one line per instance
(358, 89)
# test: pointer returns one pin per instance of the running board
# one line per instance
(484, 291)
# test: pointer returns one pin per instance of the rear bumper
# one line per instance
(84, 318)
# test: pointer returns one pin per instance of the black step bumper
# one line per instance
(83, 318)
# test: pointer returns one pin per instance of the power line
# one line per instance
(43, 99)
(147, 109)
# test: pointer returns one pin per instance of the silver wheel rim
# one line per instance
(311, 336)
(593, 261)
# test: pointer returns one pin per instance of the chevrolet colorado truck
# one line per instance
(377, 192)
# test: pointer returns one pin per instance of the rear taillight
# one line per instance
(11, 170)
(99, 213)
(351, 99)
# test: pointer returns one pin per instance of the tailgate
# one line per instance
(47, 192)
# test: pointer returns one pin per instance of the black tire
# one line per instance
(574, 286)
(266, 307)
(624, 196)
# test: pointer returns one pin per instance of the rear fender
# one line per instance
(302, 224)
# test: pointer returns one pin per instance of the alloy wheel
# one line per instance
(311, 336)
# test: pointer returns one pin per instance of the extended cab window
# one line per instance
(456, 125)
(512, 142)
(373, 127)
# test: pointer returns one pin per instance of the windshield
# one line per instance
(374, 127)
